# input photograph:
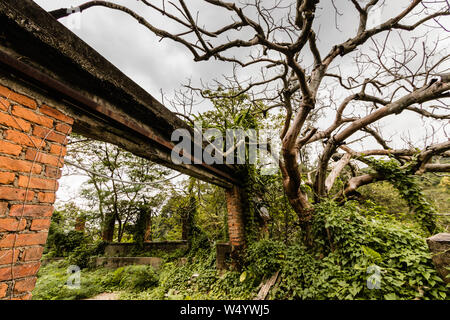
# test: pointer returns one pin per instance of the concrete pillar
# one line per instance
(33, 139)
(223, 251)
(236, 228)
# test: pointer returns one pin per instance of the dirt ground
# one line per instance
(105, 296)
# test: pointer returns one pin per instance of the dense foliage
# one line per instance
(52, 281)
(410, 191)
(62, 240)
(359, 253)
(351, 247)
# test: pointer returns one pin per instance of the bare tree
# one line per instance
(396, 68)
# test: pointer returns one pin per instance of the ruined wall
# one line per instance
(33, 137)
(125, 249)
(439, 245)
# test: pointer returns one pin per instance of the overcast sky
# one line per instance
(164, 65)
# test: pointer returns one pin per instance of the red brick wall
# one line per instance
(32, 150)
(235, 217)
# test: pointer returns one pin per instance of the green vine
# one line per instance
(402, 179)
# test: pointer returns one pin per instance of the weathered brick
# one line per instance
(30, 210)
(3, 289)
(40, 224)
(14, 122)
(64, 128)
(15, 194)
(235, 216)
(6, 177)
(25, 285)
(52, 112)
(45, 158)
(46, 197)
(19, 165)
(33, 254)
(6, 256)
(37, 183)
(51, 172)
(19, 271)
(48, 134)
(23, 239)
(19, 98)
(10, 224)
(4, 104)
(7, 241)
(58, 150)
(23, 139)
(3, 207)
(32, 116)
(27, 296)
(10, 148)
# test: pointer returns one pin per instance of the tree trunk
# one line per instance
(108, 227)
(186, 228)
(120, 230)
(291, 171)
(188, 215)
(148, 228)
(297, 199)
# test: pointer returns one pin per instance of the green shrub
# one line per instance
(265, 257)
(349, 250)
(352, 244)
(136, 278)
(81, 256)
(61, 243)
(52, 283)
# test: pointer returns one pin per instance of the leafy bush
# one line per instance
(135, 278)
(265, 257)
(403, 179)
(82, 255)
(52, 280)
(199, 279)
(351, 250)
(61, 243)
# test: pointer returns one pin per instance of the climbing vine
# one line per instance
(402, 179)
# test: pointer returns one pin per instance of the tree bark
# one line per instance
(148, 228)
(108, 227)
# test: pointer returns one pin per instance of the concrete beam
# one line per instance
(105, 104)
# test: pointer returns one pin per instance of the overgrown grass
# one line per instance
(197, 278)
(52, 281)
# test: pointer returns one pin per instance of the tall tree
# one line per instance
(396, 58)
(121, 186)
